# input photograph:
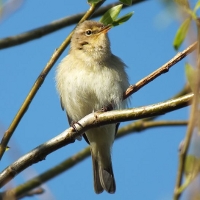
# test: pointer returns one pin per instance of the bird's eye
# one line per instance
(88, 32)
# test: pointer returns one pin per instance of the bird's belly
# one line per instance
(86, 92)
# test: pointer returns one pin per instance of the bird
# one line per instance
(89, 79)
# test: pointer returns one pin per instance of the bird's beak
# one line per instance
(105, 29)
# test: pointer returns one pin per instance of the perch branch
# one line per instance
(35, 182)
(90, 121)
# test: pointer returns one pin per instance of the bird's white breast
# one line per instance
(88, 86)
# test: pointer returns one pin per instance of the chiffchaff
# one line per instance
(88, 79)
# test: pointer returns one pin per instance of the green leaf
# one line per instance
(190, 74)
(123, 19)
(181, 33)
(191, 165)
(191, 170)
(126, 2)
(110, 16)
(93, 1)
(197, 6)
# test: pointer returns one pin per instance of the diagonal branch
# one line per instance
(52, 27)
(165, 68)
(38, 83)
(90, 121)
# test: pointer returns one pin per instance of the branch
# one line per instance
(165, 68)
(90, 121)
(137, 126)
(52, 27)
(40, 80)
(142, 125)
(38, 83)
(193, 121)
(11, 195)
(185, 90)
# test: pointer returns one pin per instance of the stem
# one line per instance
(165, 68)
(192, 123)
(9, 132)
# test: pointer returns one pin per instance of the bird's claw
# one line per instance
(79, 138)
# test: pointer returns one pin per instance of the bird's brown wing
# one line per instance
(61, 103)
(117, 126)
(70, 121)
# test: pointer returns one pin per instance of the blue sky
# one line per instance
(145, 164)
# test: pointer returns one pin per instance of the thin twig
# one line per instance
(165, 68)
(49, 174)
(52, 27)
(11, 195)
(134, 127)
(38, 83)
(90, 121)
(141, 125)
(191, 125)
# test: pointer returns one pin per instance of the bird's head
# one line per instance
(90, 38)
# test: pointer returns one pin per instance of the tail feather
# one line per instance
(107, 180)
(97, 184)
(103, 178)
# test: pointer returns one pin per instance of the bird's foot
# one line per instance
(104, 109)
(79, 138)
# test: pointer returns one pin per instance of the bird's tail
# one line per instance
(103, 176)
